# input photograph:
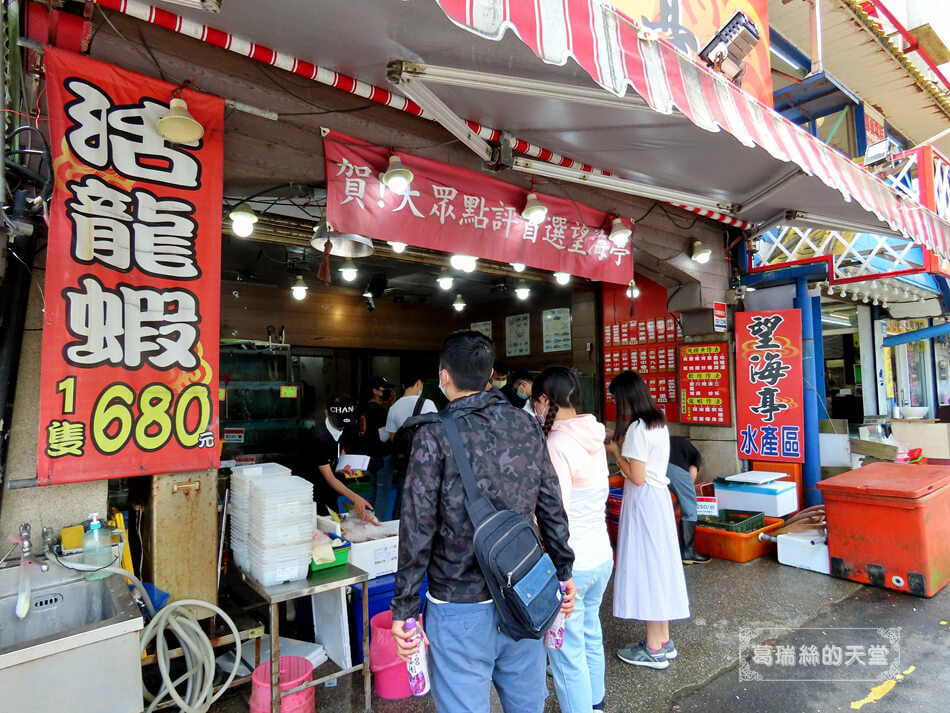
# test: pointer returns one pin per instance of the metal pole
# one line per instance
(811, 469)
(817, 62)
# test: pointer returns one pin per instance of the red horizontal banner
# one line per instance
(455, 210)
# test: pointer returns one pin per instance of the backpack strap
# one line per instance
(478, 506)
(419, 403)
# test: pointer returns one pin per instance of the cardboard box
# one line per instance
(380, 556)
(933, 438)
(775, 499)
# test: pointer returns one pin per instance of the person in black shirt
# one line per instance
(374, 442)
(682, 471)
(322, 447)
(518, 388)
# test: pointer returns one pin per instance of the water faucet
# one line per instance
(26, 546)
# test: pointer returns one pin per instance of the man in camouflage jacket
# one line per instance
(468, 652)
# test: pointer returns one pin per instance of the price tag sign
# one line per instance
(288, 392)
(707, 506)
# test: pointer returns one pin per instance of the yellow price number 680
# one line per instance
(160, 416)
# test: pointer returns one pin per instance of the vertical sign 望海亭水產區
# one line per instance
(769, 416)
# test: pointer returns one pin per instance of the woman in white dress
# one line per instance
(649, 584)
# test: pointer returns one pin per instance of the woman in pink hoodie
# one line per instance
(576, 446)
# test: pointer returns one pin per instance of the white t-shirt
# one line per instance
(652, 446)
(400, 411)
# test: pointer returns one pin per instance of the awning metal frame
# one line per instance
(411, 75)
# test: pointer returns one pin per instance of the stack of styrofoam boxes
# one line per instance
(280, 534)
(239, 505)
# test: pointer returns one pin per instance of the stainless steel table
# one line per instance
(322, 581)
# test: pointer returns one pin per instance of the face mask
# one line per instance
(521, 395)
(438, 378)
(387, 394)
(500, 383)
(540, 415)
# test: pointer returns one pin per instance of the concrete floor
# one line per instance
(725, 598)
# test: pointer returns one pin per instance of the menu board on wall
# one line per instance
(518, 335)
(556, 329)
(483, 327)
(704, 384)
(641, 338)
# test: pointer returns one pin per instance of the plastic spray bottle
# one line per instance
(97, 547)
(417, 665)
(554, 638)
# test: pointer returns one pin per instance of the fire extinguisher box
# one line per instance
(889, 525)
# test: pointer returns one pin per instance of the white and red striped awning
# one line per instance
(743, 154)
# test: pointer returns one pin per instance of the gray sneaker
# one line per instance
(639, 655)
(669, 648)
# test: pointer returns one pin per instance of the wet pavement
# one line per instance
(729, 602)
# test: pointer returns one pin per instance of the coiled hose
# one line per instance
(195, 644)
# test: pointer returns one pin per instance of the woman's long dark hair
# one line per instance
(562, 389)
(634, 403)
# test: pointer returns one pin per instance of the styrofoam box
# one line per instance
(775, 499)
(807, 549)
(377, 557)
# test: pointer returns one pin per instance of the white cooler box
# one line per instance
(807, 549)
(775, 499)
(378, 556)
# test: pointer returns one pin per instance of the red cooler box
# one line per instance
(889, 525)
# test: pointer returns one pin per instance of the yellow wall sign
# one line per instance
(288, 392)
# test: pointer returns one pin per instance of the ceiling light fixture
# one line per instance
(632, 290)
(178, 126)
(348, 270)
(397, 246)
(299, 288)
(837, 321)
(397, 177)
(518, 266)
(619, 233)
(459, 303)
(534, 210)
(562, 278)
(242, 220)
(464, 263)
(700, 253)
(445, 280)
(522, 290)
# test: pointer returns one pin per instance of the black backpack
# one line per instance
(402, 441)
(520, 574)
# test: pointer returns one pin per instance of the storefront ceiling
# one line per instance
(412, 279)
(359, 37)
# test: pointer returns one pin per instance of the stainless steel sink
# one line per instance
(76, 650)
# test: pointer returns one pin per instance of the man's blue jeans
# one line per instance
(468, 653)
(578, 665)
(380, 483)
(681, 483)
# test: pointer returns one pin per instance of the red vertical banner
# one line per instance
(133, 272)
(770, 417)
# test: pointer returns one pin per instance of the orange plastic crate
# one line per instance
(736, 546)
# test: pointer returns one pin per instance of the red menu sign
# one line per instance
(769, 389)
(704, 384)
(133, 275)
(460, 211)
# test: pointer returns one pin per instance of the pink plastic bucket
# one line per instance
(390, 676)
(294, 670)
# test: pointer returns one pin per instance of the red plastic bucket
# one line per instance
(390, 676)
(294, 670)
